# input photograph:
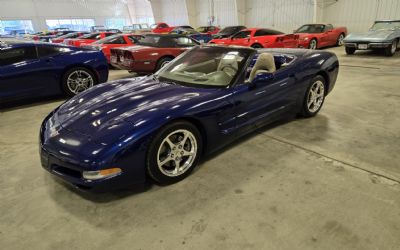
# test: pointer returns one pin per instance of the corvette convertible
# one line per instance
(151, 53)
(159, 126)
(260, 38)
(383, 35)
(314, 36)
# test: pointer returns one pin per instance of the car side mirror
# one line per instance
(261, 78)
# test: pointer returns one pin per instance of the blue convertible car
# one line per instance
(159, 126)
(34, 69)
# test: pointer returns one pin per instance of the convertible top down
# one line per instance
(158, 126)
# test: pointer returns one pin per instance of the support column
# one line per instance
(240, 11)
(192, 12)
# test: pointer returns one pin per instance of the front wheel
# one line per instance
(313, 44)
(174, 152)
(314, 97)
(350, 51)
(389, 51)
(77, 80)
(340, 39)
(256, 46)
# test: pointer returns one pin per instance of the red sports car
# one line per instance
(61, 39)
(260, 38)
(118, 40)
(87, 39)
(162, 28)
(208, 30)
(314, 36)
(151, 53)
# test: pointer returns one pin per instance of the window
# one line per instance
(16, 55)
(261, 33)
(116, 40)
(328, 27)
(134, 39)
(44, 51)
(115, 23)
(15, 27)
(162, 26)
(242, 34)
(185, 42)
(72, 24)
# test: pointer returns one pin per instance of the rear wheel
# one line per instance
(313, 44)
(314, 97)
(340, 39)
(174, 152)
(391, 50)
(350, 51)
(162, 62)
(77, 80)
(256, 46)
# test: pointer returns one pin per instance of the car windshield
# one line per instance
(70, 35)
(315, 28)
(206, 66)
(230, 30)
(386, 25)
(108, 40)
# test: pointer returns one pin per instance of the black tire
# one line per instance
(310, 45)
(306, 110)
(153, 169)
(391, 50)
(339, 41)
(398, 44)
(162, 62)
(66, 86)
(350, 51)
(256, 46)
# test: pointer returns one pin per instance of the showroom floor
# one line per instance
(330, 182)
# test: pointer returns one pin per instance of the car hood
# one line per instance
(110, 111)
(372, 35)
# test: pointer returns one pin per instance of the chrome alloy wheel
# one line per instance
(313, 44)
(79, 81)
(177, 153)
(315, 96)
(340, 40)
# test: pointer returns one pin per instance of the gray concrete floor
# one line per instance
(330, 182)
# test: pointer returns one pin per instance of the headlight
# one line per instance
(101, 174)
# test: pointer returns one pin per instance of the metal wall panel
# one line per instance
(225, 12)
(359, 15)
(284, 15)
(173, 12)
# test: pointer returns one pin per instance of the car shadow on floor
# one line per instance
(28, 103)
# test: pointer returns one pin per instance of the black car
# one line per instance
(228, 31)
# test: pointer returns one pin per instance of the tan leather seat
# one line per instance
(265, 63)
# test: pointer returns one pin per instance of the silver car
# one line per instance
(383, 35)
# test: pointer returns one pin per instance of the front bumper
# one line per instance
(72, 175)
(367, 45)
